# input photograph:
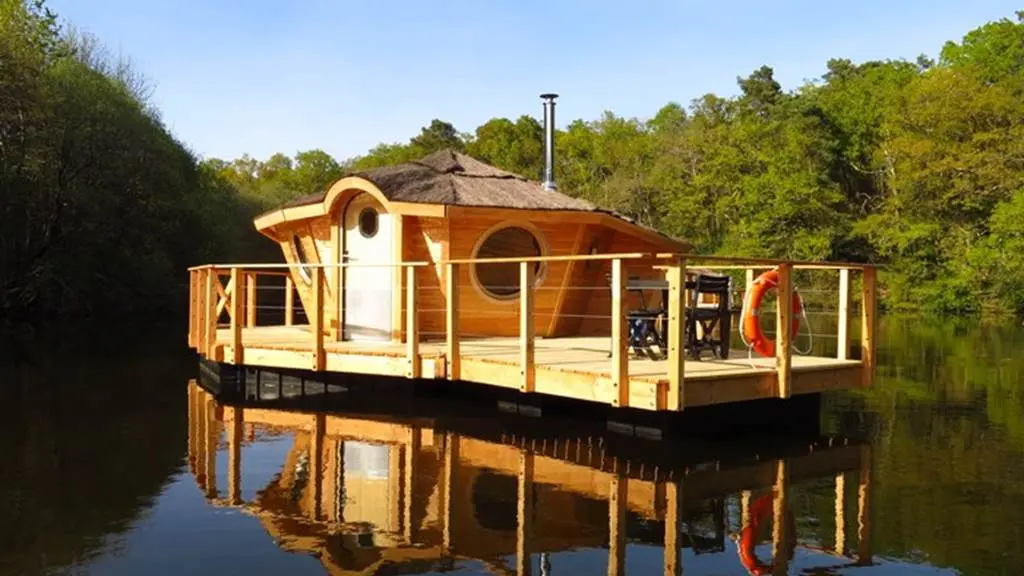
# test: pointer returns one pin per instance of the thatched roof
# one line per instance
(451, 178)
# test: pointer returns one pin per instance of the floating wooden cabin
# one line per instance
(448, 268)
(417, 493)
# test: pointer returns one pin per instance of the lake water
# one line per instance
(122, 464)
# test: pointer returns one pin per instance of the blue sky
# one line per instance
(261, 76)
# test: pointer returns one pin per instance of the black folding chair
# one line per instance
(709, 318)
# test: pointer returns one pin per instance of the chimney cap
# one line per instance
(549, 96)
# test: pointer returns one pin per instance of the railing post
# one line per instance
(316, 317)
(784, 330)
(526, 327)
(868, 315)
(250, 298)
(840, 503)
(289, 299)
(452, 352)
(844, 315)
(780, 503)
(677, 306)
(864, 508)
(191, 308)
(235, 456)
(238, 278)
(203, 311)
(524, 513)
(673, 518)
(412, 330)
(620, 333)
(749, 282)
(210, 332)
(618, 495)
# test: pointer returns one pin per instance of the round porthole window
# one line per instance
(368, 222)
(501, 280)
(300, 255)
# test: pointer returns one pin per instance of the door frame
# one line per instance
(398, 251)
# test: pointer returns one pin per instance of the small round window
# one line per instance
(368, 222)
(501, 280)
(300, 255)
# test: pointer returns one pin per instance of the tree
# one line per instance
(995, 49)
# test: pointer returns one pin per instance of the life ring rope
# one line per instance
(771, 282)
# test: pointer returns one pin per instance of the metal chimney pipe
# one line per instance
(549, 140)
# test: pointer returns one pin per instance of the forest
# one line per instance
(914, 165)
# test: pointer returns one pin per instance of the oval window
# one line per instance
(300, 255)
(501, 280)
(368, 222)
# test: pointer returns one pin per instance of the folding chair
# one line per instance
(709, 317)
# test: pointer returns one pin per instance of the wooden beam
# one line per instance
(316, 461)
(212, 431)
(235, 456)
(780, 505)
(397, 257)
(527, 330)
(418, 209)
(618, 496)
(524, 514)
(250, 299)
(784, 331)
(394, 480)
(673, 517)
(749, 281)
(191, 308)
(561, 216)
(410, 520)
(677, 305)
(238, 278)
(449, 473)
(412, 329)
(868, 310)
(198, 308)
(316, 318)
(620, 335)
(840, 513)
(452, 351)
(289, 300)
(210, 328)
(864, 509)
(570, 269)
(843, 332)
(336, 275)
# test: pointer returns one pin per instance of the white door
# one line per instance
(369, 239)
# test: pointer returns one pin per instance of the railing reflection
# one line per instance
(360, 490)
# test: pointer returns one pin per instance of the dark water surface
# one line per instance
(119, 463)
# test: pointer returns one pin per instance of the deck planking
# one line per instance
(575, 367)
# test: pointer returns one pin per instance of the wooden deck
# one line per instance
(591, 368)
(573, 367)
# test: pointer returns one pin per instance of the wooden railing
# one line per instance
(210, 297)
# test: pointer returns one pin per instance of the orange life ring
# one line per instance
(752, 324)
(759, 510)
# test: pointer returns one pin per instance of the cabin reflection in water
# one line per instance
(407, 495)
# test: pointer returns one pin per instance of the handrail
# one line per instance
(744, 262)
(215, 289)
(730, 262)
(285, 265)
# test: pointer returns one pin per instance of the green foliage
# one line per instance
(915, 165)
(101, 208)
(995, 49)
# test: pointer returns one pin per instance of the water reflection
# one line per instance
(430, 491)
